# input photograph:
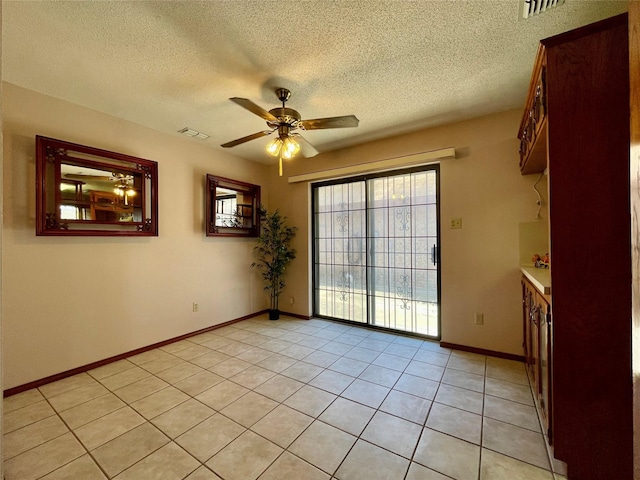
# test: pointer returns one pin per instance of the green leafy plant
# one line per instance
(274, 253)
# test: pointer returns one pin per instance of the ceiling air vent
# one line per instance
(189, 132)
(530, 8)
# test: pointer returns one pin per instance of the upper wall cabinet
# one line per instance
(533, 127)
(232, 208)
(87, 191)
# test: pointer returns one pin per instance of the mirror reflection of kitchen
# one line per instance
(234, 209)
(105, 196)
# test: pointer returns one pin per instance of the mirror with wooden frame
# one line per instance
(83, 191)
(231, 208)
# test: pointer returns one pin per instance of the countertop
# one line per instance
(539, 277)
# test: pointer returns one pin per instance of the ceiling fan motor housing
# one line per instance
(285, 115)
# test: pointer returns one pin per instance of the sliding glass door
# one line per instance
(376, 244)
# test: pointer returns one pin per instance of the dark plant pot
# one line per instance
(274, 314)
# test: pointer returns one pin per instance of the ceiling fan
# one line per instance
(286, 121)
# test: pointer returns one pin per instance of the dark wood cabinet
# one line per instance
(536, 322)
(585, 100)
(545, 402)
(533, 128)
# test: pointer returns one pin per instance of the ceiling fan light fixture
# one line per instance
(283, 147)
(274, 146)
(286, 147)
(289, 148)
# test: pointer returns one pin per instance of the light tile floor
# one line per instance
(289, 399)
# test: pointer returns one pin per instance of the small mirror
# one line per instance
(232, 208)
(86, 191)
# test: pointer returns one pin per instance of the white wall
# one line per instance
(67, 302)
(72, 301)
(480, 263)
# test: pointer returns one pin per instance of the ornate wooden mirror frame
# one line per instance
(84, 191)
(231, 208)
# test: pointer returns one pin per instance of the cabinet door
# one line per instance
(544, 398)
(526, 342)
(530, 329)
(534, 325)
(536, 312)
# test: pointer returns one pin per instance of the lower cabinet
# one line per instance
(536, 323)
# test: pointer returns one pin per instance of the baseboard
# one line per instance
(482, 351)
(74, 371)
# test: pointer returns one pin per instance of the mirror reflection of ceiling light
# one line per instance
(124, 188)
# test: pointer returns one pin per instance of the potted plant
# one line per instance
(274, 253)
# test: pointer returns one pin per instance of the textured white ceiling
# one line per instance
(397, 65)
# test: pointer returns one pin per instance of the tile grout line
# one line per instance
(484, 396)
(403, 371)
(317, 418)
(359, 437)
(424, 425)
(324, 369)
(87, 452)
(310, 380)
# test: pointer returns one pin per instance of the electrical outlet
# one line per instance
(291, 300)
(479, 318)
(456, 223)
(196, 307)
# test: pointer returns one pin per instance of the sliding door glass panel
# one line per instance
(340, 250)
(376, 251)
(403, 271)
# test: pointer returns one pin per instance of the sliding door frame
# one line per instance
(314, 253)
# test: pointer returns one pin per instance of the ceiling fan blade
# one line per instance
(308, 150)
(253, 108)
(233, 143)
(330, 122)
